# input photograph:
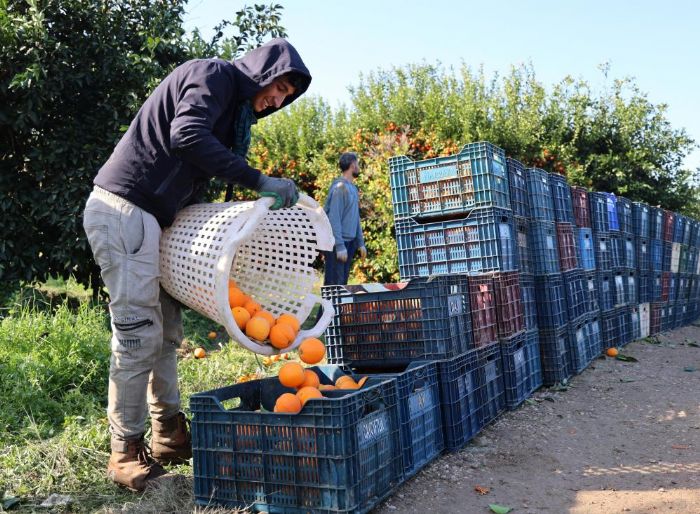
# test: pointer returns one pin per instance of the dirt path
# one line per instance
(625, 438)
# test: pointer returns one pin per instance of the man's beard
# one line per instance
(355, 173)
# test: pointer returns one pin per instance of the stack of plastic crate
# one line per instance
(656, 280)
(641, 220)
(628, 270)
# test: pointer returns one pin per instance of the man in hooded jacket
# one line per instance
(193, 127)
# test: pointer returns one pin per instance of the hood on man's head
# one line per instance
(264, 64)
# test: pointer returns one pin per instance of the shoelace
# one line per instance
(144, 454)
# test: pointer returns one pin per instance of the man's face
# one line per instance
(355, 169)
(272, 95)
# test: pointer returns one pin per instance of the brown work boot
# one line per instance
(132, 466)
(171, 442)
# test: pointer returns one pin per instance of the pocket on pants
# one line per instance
(98, 238)
(141, 234)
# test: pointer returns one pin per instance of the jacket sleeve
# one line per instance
(334, 210)
(206, 92)
(360, 237)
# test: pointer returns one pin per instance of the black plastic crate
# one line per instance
(522, 369)
(561, 197)
(484, 241)
(666, 256)
(420, 413)
(643, 251)
(576, 290)
(607, 293)
(645, 286)
(494, 397)
(539, 195)
(544, 248)
(527, 294)
(475, 177)
(384, 325)
(656, 223)
(551, 302)
(525, 262)
(624, 215)
(625, 325)
(617, 250)
(641, 219)
(482, 299)
(598, 204)
(554, 355)
(672, 287)
(631, 286)
(518, 188)
(684, 260)
(595, 336)
(509, 308)
(585, 248)
(582, 211)
(656, 286)
(628, 257)
(592, 303)
(613, 327)
(341, 453)
(657, 254)
(666, 317)
(604, 251)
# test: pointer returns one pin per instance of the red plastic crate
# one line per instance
(579, 202)
(510, 318)
(483, 306)
(669, 221)
(655, 318)
(568, 259)
(665, 285)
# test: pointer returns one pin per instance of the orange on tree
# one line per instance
(310, 379)
(258, 328)
(291, 320)
(281, 335)
(288, 403)
(291, 374)
(612, 352)
(200, 353)
(241, 316)
(311, 350)
(306, 393)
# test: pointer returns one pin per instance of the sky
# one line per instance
(655, 42)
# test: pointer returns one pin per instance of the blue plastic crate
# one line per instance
(543, 248)
(656, 286)
(598, 204)
(341, 453)
(607, 293)
(522, 230)
(494, 398)
(624, 215)
(672, 287)
(586, 248)
(634, 322)
(640, 219)
(385, 325)
(475, 177)
(656, 223)
(595, 341)
(617, 250)
(692, 264)
(554, 355)
(517, 184)
(551, 302)
(611, 205)
(628, 258)
(527, 293)
(561, 196)
(682, 288)
(592, 304)
(667, 320)
(613, 327)
(675, 257)
(679, 228)
(420, 414)
(645, 286)
(604, 251)
(576, 290)
(657, 254)
(462, 383)
(539, 195)
(522, 369)
(643, 251)
(582, 348)
(483, 242)
(687, 231)
(666, 256)
(625, 322)
(631, 281)
(683, 259)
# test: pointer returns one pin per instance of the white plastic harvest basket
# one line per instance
(268, 253)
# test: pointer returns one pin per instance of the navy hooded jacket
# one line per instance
(183, 133)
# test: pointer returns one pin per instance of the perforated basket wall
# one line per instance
(269, 254)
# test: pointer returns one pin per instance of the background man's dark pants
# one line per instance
(337, 273)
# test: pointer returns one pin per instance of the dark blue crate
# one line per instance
(666, 256)
(543, 248)
(494, 399)
(634, 323)
(631, 286)
(692, 265)
(617, 250)
(640, 219)
(611, 204)
(620, 288)
(679, 228)
(683, 259)
(598, 204)
(656, 286)
(517, 184)
(561, 197)
(672, 287)
(380, 325)
(527, 293)
(462, 383)
(643, 251)
(595, 336)
(341, 453)
(581, 347)
(554, 355)
(628, 258)
(613, 327)
(624, 215)
(657, 254)
(687, 231)
(605, 251)
(667, 314)
(522, 231)
(675, 257)
(607, 294)
(656, 223)
(645, 287)
(682, 288)
(475, 177)
(482, 242)
(420, 414)
(522, 369)
(576, 290)
(550, 296)
(539, 195)
(586, 248)
(592, 304)
(625, 325)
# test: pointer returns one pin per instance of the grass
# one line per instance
(54, 366)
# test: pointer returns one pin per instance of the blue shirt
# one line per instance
(343, 210)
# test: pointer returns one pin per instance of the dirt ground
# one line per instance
(624, 438)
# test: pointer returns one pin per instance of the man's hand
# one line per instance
(341, 254)
(283, 190)
(363, 252)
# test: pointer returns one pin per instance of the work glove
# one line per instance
(363, 252)
(341, 254)
(283, 190)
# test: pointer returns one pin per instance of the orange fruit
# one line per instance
(268, 316)
(252, 307)
(311, 350)
(292, 374)
(211, 335)
(306, 393)
(310, 379)
(236, 297)
(612, 352)
(200, 353)
(232, 283)
(291, 320)
(258, 328)
(241, 316)
(289, 403)
(361, 382)
(281, 335)
(346, 382)
(326, 387)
